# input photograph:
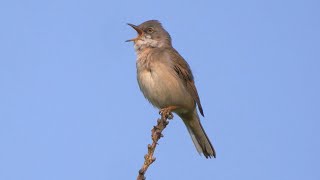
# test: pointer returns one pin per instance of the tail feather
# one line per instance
(198, 135)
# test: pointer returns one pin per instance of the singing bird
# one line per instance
(166, 80)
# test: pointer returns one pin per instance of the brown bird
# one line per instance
(166, 80)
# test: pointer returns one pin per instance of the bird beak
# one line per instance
(139, 31)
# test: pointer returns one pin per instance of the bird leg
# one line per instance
(167, 112)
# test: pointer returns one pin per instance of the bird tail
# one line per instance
(198, 135)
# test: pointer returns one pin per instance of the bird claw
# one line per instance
(166, 112)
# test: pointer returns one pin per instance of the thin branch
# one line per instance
(156, 134)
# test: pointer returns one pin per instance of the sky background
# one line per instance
(71, 109)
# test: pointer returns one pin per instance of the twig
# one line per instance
(156, 134)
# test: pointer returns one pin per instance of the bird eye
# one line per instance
(150, 30)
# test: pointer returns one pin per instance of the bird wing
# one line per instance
(184, 73)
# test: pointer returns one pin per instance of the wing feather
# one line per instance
(185, 74)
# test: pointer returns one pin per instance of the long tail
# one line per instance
(198, 135)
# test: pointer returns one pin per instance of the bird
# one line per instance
(167, 82)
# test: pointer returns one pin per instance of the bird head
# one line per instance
(150, 34)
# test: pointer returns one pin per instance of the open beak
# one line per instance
(139, 31)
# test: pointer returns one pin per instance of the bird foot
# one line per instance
(167, 112)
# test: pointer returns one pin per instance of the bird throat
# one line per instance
(145, 42)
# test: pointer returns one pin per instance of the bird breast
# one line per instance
(160, 84)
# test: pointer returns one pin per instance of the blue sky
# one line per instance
(70, 106)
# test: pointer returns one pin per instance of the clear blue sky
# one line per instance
(71, 109)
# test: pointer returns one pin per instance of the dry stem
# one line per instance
(156, 134)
